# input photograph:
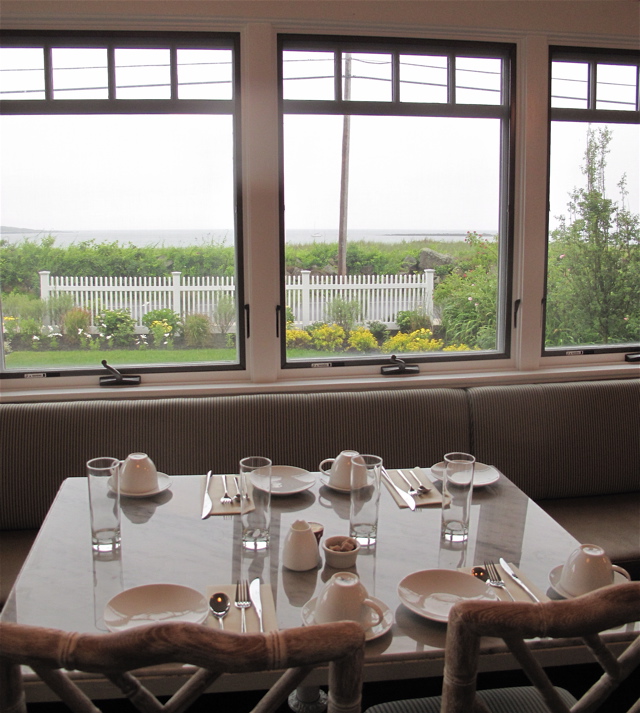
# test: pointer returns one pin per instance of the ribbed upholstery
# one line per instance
(561, 440)
(45, 443)
(520, 699)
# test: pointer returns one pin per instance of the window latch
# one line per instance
(399, 367)
(118, 379)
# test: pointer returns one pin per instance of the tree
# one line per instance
(593, 279)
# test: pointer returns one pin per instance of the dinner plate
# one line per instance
(482, 474)
(432, 592)
(155, 603)
(164, 482)
(285, 480)
(372, 632)
(556, 573)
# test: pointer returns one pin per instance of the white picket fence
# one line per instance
(380, 297)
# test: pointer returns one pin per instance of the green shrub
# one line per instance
(224, 313)
(298, 339)
(162, 315)
(419, 341)
(411, 320)
(162, 334)
(328, 337)
(344, 313)
(117, 327)
(58, 306)
(23, 306)
(379, 330)
(362, 340)
(197, 330)
(75, 324)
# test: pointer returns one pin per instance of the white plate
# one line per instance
(482, 474)
(556, 573)
(432, 592)
(372, 632)
(155, 603)
(164, 482)
(325, 481)
(285, 480)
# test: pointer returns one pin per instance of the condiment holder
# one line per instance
(300, 552)
(340, 551)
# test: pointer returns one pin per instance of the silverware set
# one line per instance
(242, 600)
(494, 578)
(226, 499)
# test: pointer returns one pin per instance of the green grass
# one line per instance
(116, 357)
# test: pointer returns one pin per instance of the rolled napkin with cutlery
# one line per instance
(416, 484)
(233, 620)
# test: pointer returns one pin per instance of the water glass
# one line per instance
(456, 496)
(365, 497)
(255, 509)
(104, 503)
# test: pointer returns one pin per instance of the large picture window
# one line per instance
(396, 175)
(120, 233)
(593, 261)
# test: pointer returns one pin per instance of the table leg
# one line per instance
(308, 699)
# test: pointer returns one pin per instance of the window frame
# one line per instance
(173, 41)
(504, 111)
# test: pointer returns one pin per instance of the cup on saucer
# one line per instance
(587, 568)
(344, 597)
(338, 470)
(138, 474)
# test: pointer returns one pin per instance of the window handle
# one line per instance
(247, 314)
(278, 311)
(516, 309)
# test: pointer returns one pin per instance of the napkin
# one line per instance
(216, 490)
(233, 620)
(518, 593)
(433, 497)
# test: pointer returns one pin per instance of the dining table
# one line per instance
(165, 540)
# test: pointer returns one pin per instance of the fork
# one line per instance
(494, 578)
(242, 600)
(226, 499)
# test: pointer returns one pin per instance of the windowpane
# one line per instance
(570, 85)
(143, 74)
(21, 73)
(308, 75)
(478, 80)
(423, 79)
(205, 74)
(79, 73)
(617, 87)
(366, 77)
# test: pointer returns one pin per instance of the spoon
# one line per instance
(219, 605)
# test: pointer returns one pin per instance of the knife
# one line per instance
(405, 496)
(207, 505)
(254, 594)
(506, 567)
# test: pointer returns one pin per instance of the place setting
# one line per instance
(138, 477)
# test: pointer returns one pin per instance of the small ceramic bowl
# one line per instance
(340, 559)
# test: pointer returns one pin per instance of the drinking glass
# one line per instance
(365, 497)
(104, 503)
(255, 509)
(456, 496)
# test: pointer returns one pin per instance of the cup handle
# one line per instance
(622, 571)
(326, 460)
(376, 609)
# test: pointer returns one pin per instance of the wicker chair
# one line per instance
(49, 652)
(581, 618)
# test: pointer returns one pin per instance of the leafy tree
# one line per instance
(593, 278)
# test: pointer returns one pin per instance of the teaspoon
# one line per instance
(219, 604)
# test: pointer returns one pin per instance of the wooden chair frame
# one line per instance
(583, 618)
(50, 651)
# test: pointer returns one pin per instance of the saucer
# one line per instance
(325, 481)
(155, 603)
(556, 573)
(373, 632)
(285, 480)
(164, 482)
(482, 474)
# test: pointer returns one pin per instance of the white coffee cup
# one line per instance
(588, 568)
(339, 470)
(138, 474)
(344, 597)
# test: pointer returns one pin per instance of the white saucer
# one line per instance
(164, 482)
(372, 632)
(432, 592)
(325, 481)
(556, 573)
(482, 474)
(285, 480)
(155, 603)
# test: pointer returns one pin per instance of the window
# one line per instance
(121, 235)
(593, 256)
(396, 183)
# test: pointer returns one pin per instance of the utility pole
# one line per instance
(344, 174)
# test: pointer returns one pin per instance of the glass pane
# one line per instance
(122, 240)
(308, 75)
(80, 73)
(570, 85)
(594, 239)
(366, 77)
(616, 87)
(417, 257)
(21, 73)
(423, 79)
(205, 74)
(143, 74)
(478, 81)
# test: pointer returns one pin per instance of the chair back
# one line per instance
(54, 655)
(582, 619)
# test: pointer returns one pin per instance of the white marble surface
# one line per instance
(164, 540)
